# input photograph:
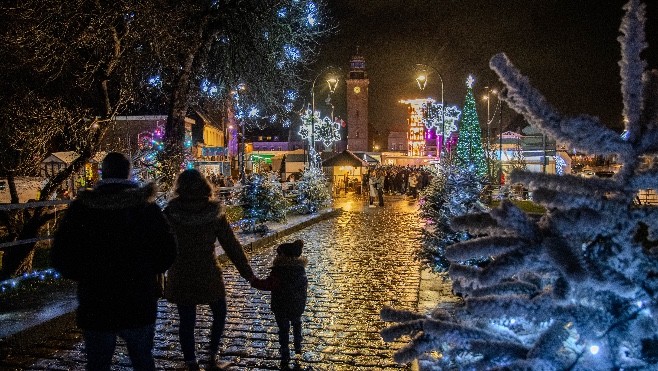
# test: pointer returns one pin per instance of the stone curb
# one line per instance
(59, 324)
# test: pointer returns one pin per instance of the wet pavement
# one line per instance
(358, 262)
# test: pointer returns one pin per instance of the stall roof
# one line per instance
(345, 158)
(62, 157)
(364, 156)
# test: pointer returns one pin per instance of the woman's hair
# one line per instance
(192, 184)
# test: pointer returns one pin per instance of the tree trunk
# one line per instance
(18, 259)
(173, 156)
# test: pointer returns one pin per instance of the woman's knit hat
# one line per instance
(291, 248)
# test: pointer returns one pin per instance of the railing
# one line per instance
(57, 205)
(647, 197)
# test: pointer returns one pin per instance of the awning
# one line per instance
(345, 158)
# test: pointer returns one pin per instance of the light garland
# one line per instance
(15, 283)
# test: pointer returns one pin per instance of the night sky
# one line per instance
(567, 48)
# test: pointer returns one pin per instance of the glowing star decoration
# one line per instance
(470, 81)
(452, 117)
(307, 123)
(433, 117)
(326, 130)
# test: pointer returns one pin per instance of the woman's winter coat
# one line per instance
(196, 277)
(288, 283)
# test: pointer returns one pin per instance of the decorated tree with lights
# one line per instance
(576, 289)
(454, 191)
(68, 69)
(469, 146)
(262, 200)
(314, 195)
(256, 47)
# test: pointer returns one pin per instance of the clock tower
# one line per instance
(357, 105)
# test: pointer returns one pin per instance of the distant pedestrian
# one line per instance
(380, 187)
(288, 283)
(413, 185)
(114, 240)
(196, 277)
(372, 186)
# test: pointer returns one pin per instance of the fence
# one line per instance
(55, 205)
(647, 197)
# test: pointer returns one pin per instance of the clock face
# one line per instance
(357, 89)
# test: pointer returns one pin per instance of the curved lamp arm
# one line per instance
(422, 82)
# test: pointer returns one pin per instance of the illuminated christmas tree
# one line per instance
(454, 191)
(262, 200)
(469, 146)
(313, 193)
(577, 288)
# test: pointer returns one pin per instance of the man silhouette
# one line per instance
(114, 241)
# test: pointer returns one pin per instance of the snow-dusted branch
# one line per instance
(583, 132)
(632, 66)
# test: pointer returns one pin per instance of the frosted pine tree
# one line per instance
(262, 200)
(313, 193)
(575, 290)
(454, 191)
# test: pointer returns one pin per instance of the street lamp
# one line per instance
(241, 150)
(332, 83)
(487, 97)
(421, 79)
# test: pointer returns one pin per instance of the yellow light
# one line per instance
(333, 83)
(422, 81)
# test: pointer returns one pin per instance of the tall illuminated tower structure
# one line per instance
(357, 105)
(417, 131)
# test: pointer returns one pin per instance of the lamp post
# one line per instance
(241, 148)
(500, 140)
(332, 82)
(487, 97)
(421, 79)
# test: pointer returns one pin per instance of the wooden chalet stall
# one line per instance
(345, 171)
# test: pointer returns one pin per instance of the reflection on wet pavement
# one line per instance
(358, 262)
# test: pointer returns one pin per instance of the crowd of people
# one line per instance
(400, 180)
(220, 180)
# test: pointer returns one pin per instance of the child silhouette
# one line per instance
(288, 283)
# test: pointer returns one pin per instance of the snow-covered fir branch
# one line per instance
(566, 183)
(632, 66)
(583, 132)
(490, 246)
(577, 288)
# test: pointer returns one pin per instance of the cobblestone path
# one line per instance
(358, 262)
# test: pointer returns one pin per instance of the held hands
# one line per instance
(258, 283)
